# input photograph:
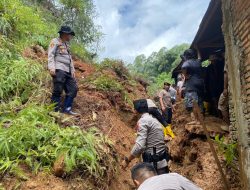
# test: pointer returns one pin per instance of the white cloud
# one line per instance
(133, 27)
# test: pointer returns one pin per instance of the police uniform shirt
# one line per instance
(149, 135)
(171, 181)
(59, 56)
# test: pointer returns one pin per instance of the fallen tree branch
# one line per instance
(200, 118)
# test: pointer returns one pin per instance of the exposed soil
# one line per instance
(106, 111)
(190, 152)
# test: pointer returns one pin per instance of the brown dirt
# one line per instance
(105, 111)
(191, 153)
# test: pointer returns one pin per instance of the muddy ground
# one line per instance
(190, 151)
(191, 155)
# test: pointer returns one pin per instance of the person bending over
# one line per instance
(149, 142)
(145, 177)
(148, 106)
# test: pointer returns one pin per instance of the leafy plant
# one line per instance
(106, 83)
(17, 75)
(32, 137)
(23, 23)
(229, 150)
(117, 66)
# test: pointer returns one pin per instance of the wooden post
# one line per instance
(200, 118)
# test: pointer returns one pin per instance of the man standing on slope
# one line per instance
(61, 68)
(194, 83)
(166, 103)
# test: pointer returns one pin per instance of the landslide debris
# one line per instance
(191, 155)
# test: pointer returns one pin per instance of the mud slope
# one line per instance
(106, 111)
(191, 153)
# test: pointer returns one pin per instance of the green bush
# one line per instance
(23, 23)
(7, 50)
(106, 83)
(117, 66)
(16, 76)
(32, 137)
(80, 51)
(229, 150)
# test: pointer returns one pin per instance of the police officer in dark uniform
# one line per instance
(61, 68)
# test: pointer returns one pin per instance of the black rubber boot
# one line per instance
(68, 106)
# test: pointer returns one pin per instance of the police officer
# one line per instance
(149, 142)
(61, 68)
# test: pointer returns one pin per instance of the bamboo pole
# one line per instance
(200, 118)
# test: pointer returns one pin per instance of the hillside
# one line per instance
(41, 149)
(157, 68)
(38, 144)
(104, 103)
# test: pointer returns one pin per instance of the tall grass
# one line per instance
(16, 76)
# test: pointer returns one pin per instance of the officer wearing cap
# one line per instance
(61, 68)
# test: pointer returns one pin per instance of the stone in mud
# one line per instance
(58, 167)
(212, 127)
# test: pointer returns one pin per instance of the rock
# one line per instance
(58, 167)
(195, 129)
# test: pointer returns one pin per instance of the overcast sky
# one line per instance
(133, 27)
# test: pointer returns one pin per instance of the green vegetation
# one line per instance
(157, 68)
(158, 62)
(29, 134)
(229, 150)
(24, 25)
(16, 76)
(158, 83)
(113, 76)
(106, 83)
(117, 66)
(32, 137)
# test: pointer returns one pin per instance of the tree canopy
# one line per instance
(157, 68)
(158, 62)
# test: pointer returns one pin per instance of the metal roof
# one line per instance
(209, 39)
